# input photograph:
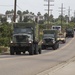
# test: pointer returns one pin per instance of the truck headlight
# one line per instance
(11, 41)
(43, 41)
(30, 41)
(53, 41)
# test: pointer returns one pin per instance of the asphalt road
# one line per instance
(33, 65)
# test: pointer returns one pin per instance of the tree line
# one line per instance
(51, 17)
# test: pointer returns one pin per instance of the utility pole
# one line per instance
(74, 13)
(15, 4)
(62, 10)
(74, 18)
(69, 14)
(48, 4)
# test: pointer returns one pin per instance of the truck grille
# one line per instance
(48, 40)
(21, 38)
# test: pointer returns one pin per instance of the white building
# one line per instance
(2, 15)
(30, 16)
(10, 17)
(40, 17)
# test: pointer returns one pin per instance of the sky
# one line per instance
(36, 6)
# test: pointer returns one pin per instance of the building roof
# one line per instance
(2, 14)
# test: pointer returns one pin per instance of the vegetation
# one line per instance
(5, 34)
(6, 28)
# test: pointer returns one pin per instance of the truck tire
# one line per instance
(36, 49)
(43, 47)
(40, 51)
(55, 46)
(72, 36)
(11, 51)
(64, 41)
(18, 53)
(58, 45)
(31, 50)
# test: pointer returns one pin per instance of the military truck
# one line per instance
(50, 39)
(25, 38)
(69, 32)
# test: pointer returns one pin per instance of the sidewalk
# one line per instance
(68, 69)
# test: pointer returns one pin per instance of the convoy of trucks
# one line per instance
(26, 36)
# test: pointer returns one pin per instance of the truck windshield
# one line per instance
(48, 35)
(69, 30)
(23, 30)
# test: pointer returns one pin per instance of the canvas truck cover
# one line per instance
(23, 25)
(50, 31)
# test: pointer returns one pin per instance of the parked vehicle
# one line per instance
(25, 38)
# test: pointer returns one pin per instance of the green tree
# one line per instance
(25, 19)
(32, 13)
(3, 19)
(5, 34)
(20, 14)
(7, 12)
(46, 16)
(38, 14)
(51, 18)
(25, 12)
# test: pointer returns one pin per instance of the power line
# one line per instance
(6, 5)
(19, 7)
(48, 4)
(69, 10)
(62, 10)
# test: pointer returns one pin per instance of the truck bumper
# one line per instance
(20, 44)
(48, 45)
(21, 47)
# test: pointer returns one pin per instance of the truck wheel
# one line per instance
(43, 47)
(36, 49)
(11, 51)
(18, 53)
(55, 46)
(64, 41)
(40, 51)
(31, 50)
(72, 36)
(58, 45)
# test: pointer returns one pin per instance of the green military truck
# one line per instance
(69, 32)
(25, 38)
(50, 39)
